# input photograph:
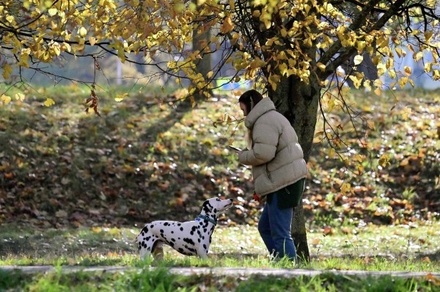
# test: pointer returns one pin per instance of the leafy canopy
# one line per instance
(271, 39)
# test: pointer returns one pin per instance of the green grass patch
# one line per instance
(370, 248)
(159, 279)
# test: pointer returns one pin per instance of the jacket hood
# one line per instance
(265, 105)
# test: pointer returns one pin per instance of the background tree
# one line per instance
(291, 49)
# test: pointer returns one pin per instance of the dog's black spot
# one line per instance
(205, 247)
(173, 239)
(181, 228)
(192, 250)
(161, 231)
(189, 241)
(166, 224)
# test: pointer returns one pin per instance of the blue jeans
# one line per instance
(274, 227)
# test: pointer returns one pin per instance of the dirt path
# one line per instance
(239, 272)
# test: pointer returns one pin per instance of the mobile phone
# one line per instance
(234, 148)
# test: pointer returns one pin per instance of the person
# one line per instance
(278, 170)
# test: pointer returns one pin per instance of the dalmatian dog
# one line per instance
(188, 238)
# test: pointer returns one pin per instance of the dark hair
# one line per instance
(250, 98)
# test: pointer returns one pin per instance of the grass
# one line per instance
(371, 248)
(159, 279)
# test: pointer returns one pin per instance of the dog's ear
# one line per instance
(206, 207)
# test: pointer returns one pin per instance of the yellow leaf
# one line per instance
(400, 52)
(331, 153)
(97, 229)
(10, 18)
(428, 35)
(427, 67)
(121, 97)
(92, 41)
(55, 48)
(358, 59)
(19, 96)
(49, 102)
(357, 81)
(403, 81)
(384, 160)
(283, 69)
(381, 69)
(82, 31)
(52, 11)
(418, 56)
(321, 66)
(7, 70)
(273, 81)
(367, 85)
(24, 60)
(405, 113)
(257, 63)
(331, 104)
(5, 99)
(378, 91)
(378, 83)
(361, 45)
(227, 25)
(66, 47)
(345, 188)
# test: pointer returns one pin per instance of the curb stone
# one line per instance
(238, 272)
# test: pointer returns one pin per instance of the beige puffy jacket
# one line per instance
(276, 157)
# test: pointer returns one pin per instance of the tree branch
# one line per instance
(326, 58)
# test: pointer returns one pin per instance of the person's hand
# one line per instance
(257, 197)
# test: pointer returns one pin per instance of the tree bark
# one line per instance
(200, 43)
(298, 102)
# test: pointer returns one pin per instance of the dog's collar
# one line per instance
(206, 218)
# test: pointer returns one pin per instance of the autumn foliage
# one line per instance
(306, 39)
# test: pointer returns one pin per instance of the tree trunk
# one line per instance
(299, 103)
(200, 43)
